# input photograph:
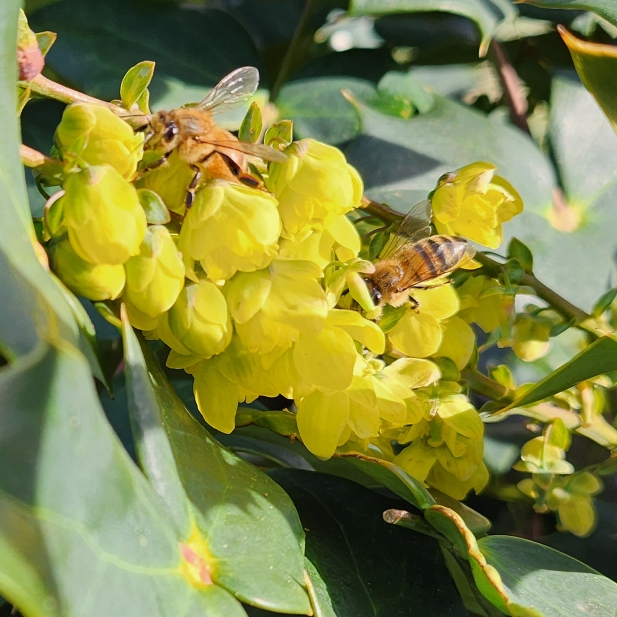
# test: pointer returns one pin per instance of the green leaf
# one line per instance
(401, 159)
(154, 207)
(319, 109)
(604, 302)
(596, 359)
(517, 250)
(596, 65)
(251, 126)
(550, 583)
(605, 8)
(279, 133)
(393, 477)
(487, 14)
(98, 42)
(80, 528)
(32, 305)
(248, 524)
(369, 568)
(134, 86)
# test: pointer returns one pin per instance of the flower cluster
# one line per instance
(260, 292)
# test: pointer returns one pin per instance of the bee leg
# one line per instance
(415, 305)
(236, 170)
(152, 166)
(192, 188)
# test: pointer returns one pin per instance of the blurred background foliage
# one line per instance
(408, 89)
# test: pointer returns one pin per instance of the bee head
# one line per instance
(162, 133)
(375, 293)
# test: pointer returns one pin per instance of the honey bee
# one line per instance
(212, 152)
(413, 258)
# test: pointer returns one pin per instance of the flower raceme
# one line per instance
(260, 292)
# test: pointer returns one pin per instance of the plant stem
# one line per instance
(486, 386)
(53, 90)
(513, 93)
(33, 158)
(566, 309)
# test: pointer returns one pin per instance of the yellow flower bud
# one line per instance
(230, 228)
(96, 136)
(473, 202)
(199, 319)
(315, 181)
(271, 307)
(92, 281)
(530, 336)
(105, 220)
(484, 310)
(155, 277)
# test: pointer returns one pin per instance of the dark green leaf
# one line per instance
(369, 567)
(604, 8)
(134, 86)
(487, 14)
(32, 305)
(251, 126)
(319, 110)
(249, 525)
(596, 359)
(154, 207)
(514, 271)
(547, 581)
(517, 250)
(401, 159)
(98, 42)
(80, 528)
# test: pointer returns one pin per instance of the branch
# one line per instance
(486, 386)
(513, 93)
(566, 309)
(53, 90)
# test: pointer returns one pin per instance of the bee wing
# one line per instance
(415, 226)
(231, 90)
(262, 151)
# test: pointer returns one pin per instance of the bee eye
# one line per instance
(376, 296)
(171, 131)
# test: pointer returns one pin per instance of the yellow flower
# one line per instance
(216, 396)
(199, 319)
(446, 444)
(230, 228)
(96, 136)
(314, 182)
(376, 393)
(271, 307)
(473, 202)
(339, 238)
(326, 360)
(92, 281)
(105, 220)
(432, 329)
(155, 277)
(481, 310)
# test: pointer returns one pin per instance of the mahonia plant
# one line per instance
(261, 291)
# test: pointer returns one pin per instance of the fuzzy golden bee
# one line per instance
(211, 151)
(413, 258)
